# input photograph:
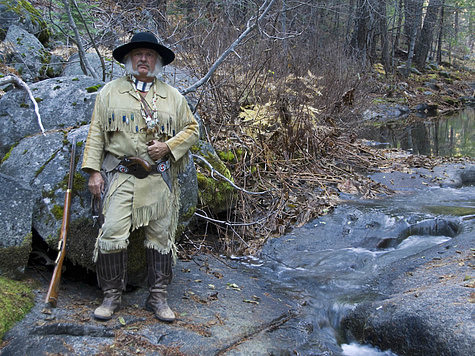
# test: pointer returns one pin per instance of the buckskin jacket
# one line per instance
(118, 129)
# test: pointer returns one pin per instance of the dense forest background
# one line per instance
(280, 86)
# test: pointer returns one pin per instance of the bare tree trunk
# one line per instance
(360, 33)
(383, 29)
(441, 33)
(103, 64)
(425, 39)
(399, 13)
(283, 20)
(410, 52)
(456, 24)
(21, 84)
(85, 66)
(413, 19)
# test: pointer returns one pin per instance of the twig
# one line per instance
(214, 171)
(21, 84)
(227, 223)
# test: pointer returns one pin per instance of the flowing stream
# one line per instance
(328, 264)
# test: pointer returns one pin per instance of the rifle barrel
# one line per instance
(52, 295)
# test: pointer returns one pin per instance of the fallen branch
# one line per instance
(214, 171)
(21, 84)
(228, 223)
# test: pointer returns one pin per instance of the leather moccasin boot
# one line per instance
(110, 304)
(111, 272)
(159, 268)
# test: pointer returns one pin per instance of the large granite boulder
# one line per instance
(25, 53)
(63, 102)
(112, 69)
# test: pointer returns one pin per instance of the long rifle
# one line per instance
(52, 296)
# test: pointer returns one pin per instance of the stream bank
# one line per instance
(340, 278)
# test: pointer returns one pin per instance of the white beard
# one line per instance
(155, 73)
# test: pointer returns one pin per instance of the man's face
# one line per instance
(143, 61)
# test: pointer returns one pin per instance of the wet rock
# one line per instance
(426, 308)
(386, 112)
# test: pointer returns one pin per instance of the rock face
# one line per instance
(112, 69)
(27, 55)
(15, 225)
(41, 162)
(63, 102)
(23, 15)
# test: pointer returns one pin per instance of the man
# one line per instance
(139, 136)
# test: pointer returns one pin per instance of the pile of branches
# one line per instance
(291, 161)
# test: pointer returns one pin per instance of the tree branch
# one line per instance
(214, 171)
(251, 25)
(21, 84)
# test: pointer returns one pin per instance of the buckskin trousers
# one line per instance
(114, 233)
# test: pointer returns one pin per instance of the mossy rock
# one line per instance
(22, 7)
(13, 259)
(214, 194)
(16, 299)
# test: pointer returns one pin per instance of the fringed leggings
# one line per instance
(114, 233)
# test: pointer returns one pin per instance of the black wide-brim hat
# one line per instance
(144, 40)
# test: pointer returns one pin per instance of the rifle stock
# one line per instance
(52, 295)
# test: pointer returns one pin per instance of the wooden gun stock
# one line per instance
(52, 295)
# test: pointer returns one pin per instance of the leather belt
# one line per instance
(141, 169)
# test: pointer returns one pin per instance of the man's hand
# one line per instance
(157, 150)
(96, 183)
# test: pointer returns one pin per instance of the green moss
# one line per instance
(80, 243)
(16, 299)
(227, 156)
(24, 105)
(94, 88)
(79, 182)
(7, 155)
(214, 194)
(39, 170)
(20, 7)
(38, 100)
(57, 211)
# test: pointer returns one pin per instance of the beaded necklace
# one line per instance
(150, 114)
